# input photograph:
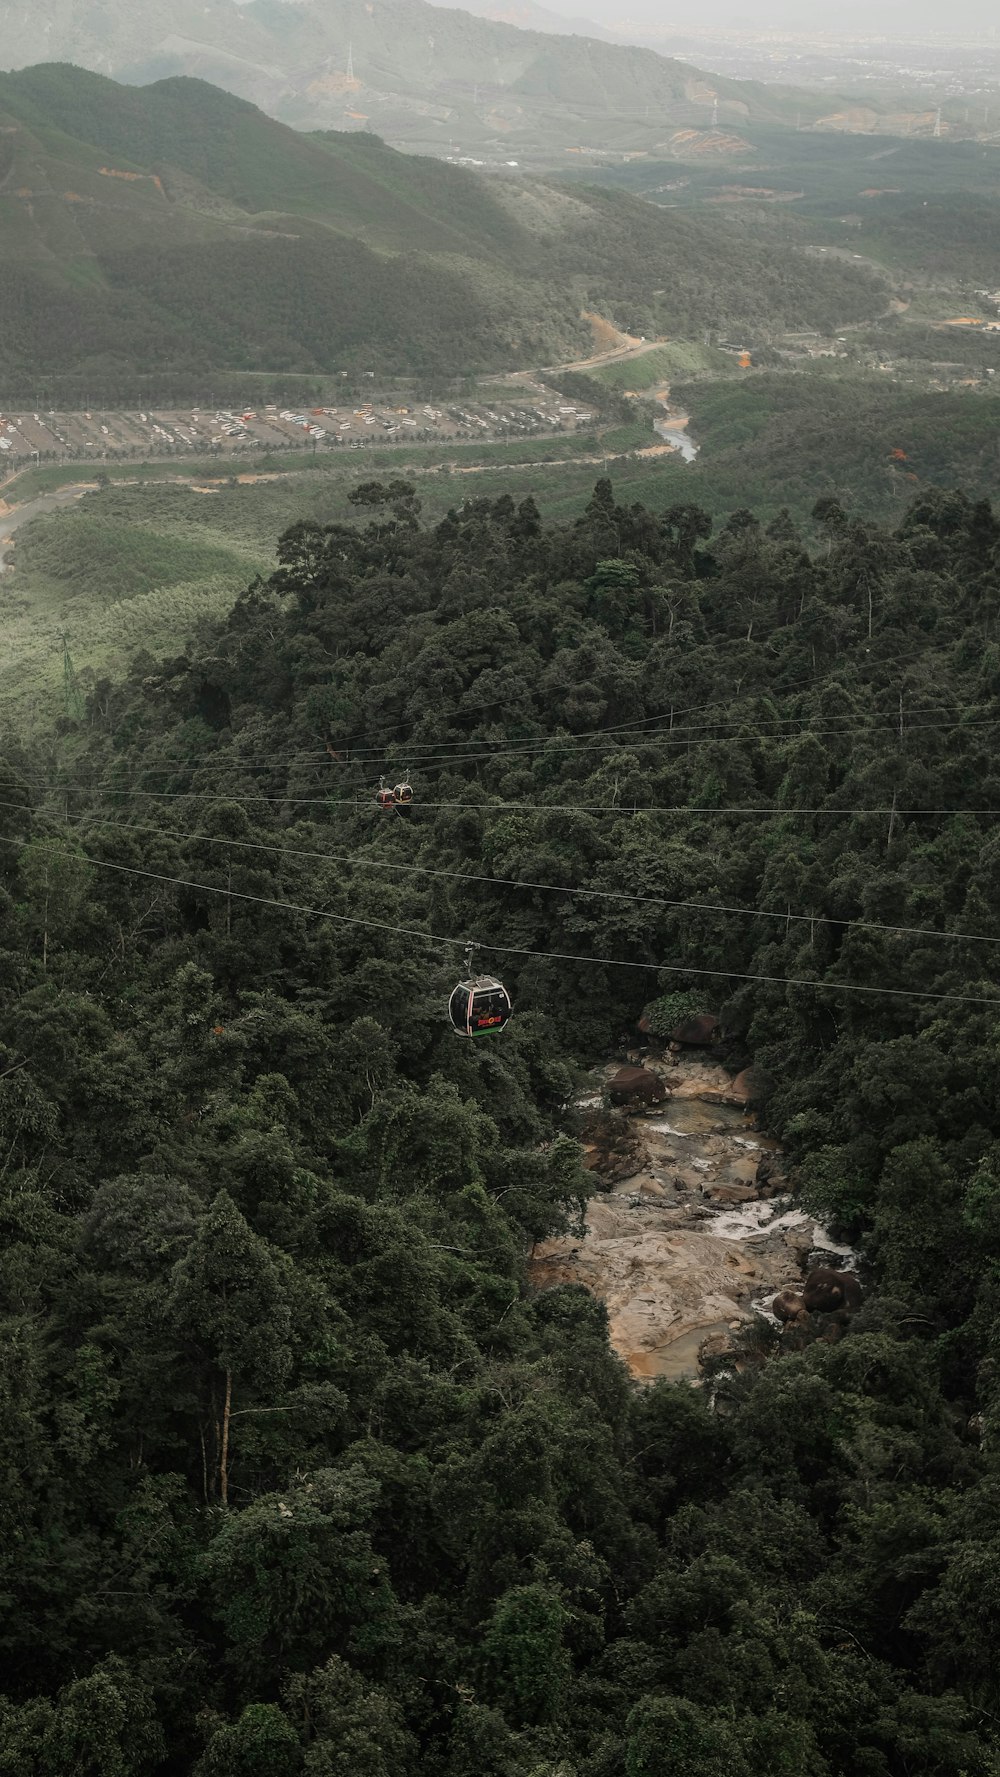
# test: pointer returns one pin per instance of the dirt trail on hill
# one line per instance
(626, 347)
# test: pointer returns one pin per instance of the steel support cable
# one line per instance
(765, 811)
(408, 869)
(807, 682)
(675, 739)
(610, 962)
(746, 730)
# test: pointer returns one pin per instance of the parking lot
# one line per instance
(142, 433)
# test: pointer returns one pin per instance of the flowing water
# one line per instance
(692, 1234)
(673, 428)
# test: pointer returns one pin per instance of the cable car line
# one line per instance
(675, 738)
(752, 730)
(516, 752)
(461, 876)
(514, 949)
(807, 681)
(492, 748)
(766, 811)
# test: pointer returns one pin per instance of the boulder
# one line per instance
(746, 1086)
(732, 1192)
(788, 1305)
(611, 1147)
(826, 1291)
(636, 1085)
(696, 1032)
(718, 1347)
(769, 1178)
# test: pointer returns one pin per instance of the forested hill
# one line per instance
(175, 231)
(300, 1477)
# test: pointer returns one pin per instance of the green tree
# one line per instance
(229, 1305)
(55, 878)
(668, 1737)
(262, 1743)
(524, 1655)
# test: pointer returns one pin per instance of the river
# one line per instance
(18, 515)
(673, 427)
(692, 1232)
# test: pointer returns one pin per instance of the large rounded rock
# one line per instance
(636, 1085)
(826, 1291)
(696, 1032)
(788, 1306)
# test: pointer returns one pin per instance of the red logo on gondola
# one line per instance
(486, 1023)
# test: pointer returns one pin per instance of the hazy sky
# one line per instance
(903, 18)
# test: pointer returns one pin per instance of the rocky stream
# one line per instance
(692, 1231)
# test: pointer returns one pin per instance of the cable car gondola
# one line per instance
(480, 1005)
(402, 795)
(385, 799)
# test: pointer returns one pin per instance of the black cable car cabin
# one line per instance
(403, 795)
(480, 1007)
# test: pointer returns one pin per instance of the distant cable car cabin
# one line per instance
(479, 1006)
(402, 795)
(386, 799)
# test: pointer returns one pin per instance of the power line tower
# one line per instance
(72, 695)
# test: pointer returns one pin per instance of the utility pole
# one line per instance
(71, 690)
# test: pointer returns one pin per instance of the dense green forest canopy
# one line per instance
(775, 439)
(300, 1476)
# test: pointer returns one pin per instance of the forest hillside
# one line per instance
(174, 229)
(300, 1476)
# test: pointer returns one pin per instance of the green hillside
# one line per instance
(173, 231)
(927, 210)
(235, 153)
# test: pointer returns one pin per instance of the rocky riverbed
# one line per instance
(692, 1232)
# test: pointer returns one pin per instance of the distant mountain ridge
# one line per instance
(175, 232)
(528, 15)
(425, 77)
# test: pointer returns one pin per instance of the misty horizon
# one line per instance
(883, 18)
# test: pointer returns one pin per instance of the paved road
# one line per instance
(18, 515)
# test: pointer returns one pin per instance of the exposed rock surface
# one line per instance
(636, 1085)
(695, 1032)
(613, 1147)
(825, 1291)
(745, 1086)
(691, 1239)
